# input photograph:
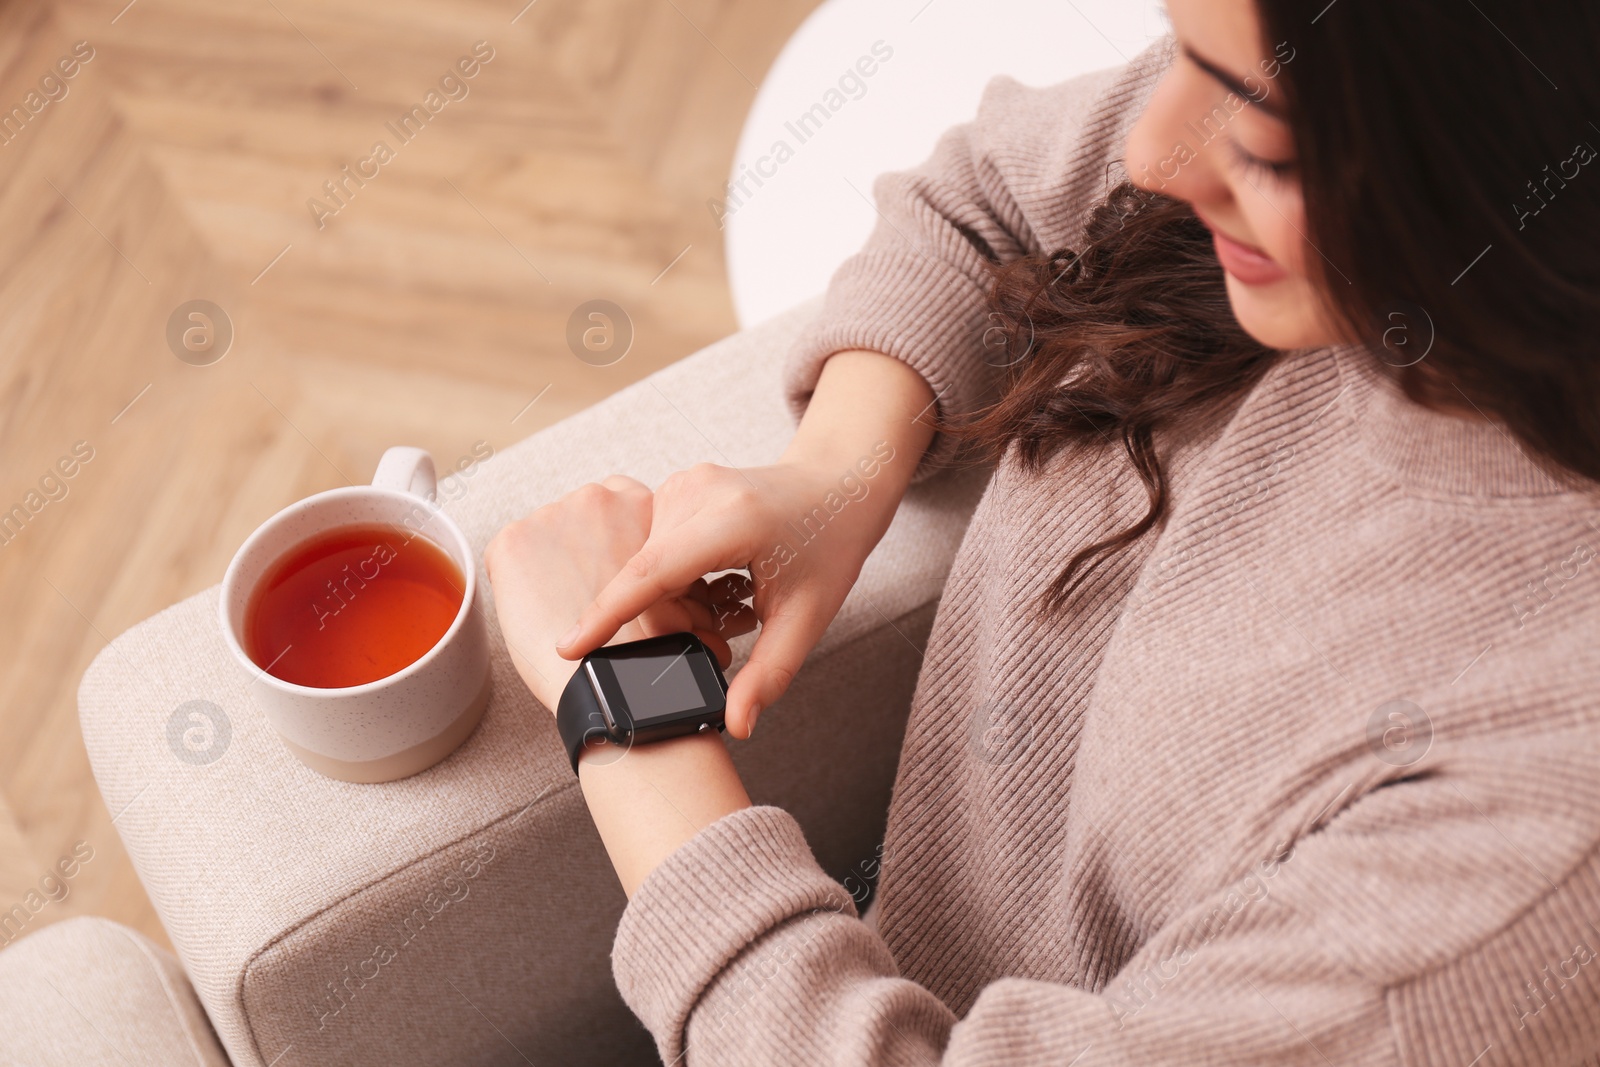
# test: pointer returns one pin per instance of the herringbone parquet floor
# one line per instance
(226, 151)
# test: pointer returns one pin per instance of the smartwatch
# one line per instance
(641, 691)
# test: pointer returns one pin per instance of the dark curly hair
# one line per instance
(1131, 334)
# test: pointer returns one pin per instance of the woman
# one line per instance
(1258, 723)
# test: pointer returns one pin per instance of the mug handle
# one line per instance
(407, 470)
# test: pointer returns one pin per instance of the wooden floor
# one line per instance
(429, 307)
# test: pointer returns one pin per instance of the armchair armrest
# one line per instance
(471, 907)
(90, 992)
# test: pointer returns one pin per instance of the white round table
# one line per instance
(867, 86)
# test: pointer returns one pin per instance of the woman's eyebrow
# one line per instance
(1233, 84)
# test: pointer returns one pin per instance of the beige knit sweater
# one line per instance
(1313, 778)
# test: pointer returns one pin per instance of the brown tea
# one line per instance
(351, 605)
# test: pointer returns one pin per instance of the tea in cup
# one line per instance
(355, 612)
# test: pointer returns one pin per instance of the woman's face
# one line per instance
(1215, 136)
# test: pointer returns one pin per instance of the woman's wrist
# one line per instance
(655, 797)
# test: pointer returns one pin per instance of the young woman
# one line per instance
(1259, 719)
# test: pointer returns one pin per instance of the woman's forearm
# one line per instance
(656, 797)
(863, 398)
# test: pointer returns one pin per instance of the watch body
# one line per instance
(641, 691)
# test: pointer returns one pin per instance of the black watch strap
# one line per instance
(578, 715)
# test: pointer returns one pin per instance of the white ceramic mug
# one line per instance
(400, 724)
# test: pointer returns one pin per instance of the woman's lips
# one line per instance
(1245, 262)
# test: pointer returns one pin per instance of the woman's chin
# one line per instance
(1281, 315)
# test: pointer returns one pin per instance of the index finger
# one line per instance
(662, 567)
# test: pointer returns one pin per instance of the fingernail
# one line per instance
(755, 713)
(568, 637)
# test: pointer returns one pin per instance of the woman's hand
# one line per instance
(800, 529)
(547, 567)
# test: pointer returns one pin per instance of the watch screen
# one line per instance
(656, 685)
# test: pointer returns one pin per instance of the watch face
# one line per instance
(659, 680)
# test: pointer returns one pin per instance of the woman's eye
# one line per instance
(1254, 164)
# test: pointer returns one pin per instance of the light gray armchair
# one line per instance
(465, 915)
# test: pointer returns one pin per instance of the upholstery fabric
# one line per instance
(91, 993)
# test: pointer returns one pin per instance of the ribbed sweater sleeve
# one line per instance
(738, 949)
(1020, 178)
